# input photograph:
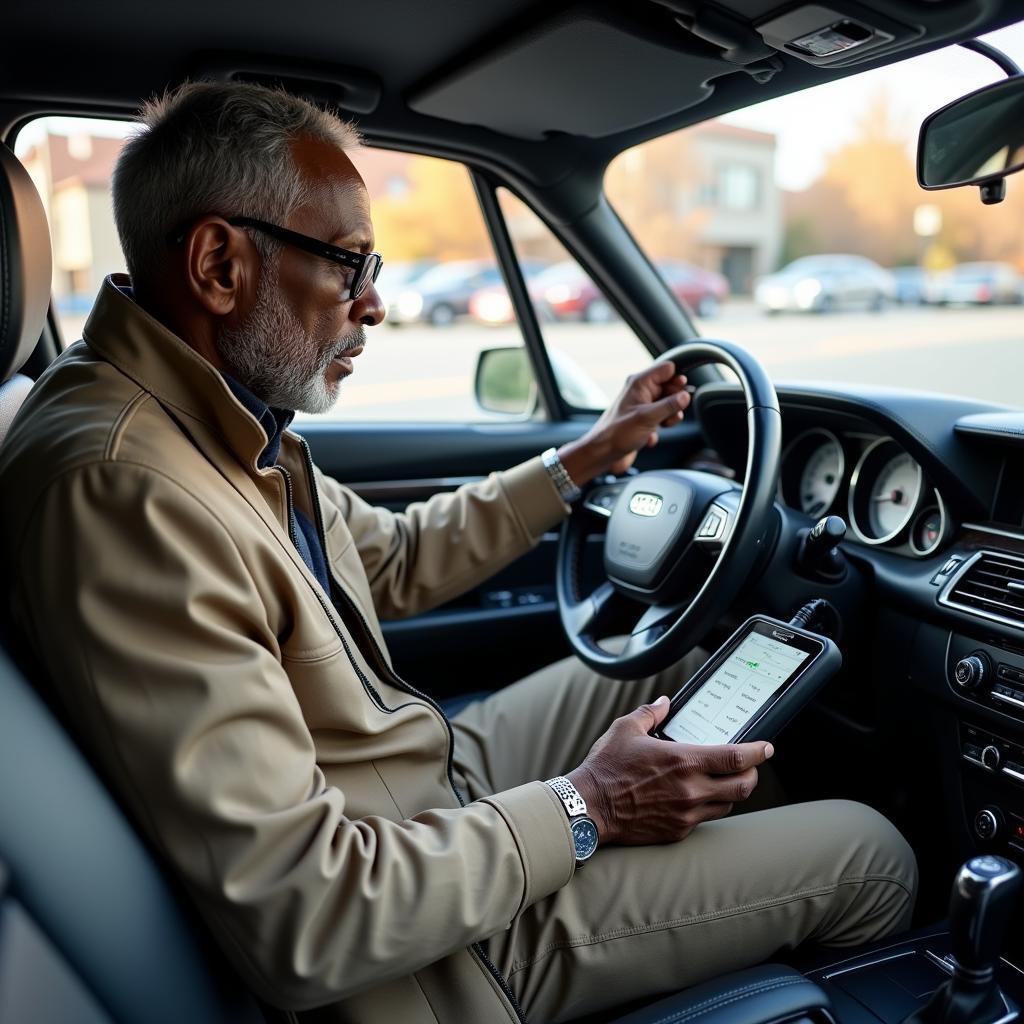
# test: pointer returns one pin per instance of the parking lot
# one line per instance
(421, 372)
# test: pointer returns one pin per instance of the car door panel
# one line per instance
(509, 626)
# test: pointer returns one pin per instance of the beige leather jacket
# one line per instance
(261, 739)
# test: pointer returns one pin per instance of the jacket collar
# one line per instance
(123, 333)
(273, 421)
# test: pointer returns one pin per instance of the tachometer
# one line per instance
(812, 471)
(819, 482)
(884, 492)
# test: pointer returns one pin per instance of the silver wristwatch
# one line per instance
(568, 491)
(584, 831)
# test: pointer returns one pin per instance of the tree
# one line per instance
(864, 202)
(435, 216)
(656, 190)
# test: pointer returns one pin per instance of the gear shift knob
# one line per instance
(979, 909)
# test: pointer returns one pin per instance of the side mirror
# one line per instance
(505, 382)
(975, 140)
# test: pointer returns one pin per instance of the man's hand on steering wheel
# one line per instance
(655, 397)
(640, 789)
(679, 544)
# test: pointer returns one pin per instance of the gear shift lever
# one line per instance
(979, 909)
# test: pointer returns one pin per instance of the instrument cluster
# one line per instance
(872, 482)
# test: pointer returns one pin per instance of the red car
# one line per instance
(565, 292)
(699, 290)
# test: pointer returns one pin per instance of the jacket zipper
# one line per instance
(393, 677)
(367, 685)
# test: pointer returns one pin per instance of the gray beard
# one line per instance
(271, 354)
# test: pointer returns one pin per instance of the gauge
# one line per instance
(812, 472)
(894, 495)
(885, 492)
(819, 482)
(928, 528)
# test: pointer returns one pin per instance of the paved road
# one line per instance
(425, 373)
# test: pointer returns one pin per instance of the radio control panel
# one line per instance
(993, 753)
(994, 790)
(986, 674)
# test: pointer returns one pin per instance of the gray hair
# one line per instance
(213, 147)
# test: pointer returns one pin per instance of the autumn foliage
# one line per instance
(864, 202)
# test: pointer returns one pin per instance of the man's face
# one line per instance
(297, 343)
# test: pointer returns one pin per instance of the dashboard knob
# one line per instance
(988, 823)
(991, 757)
(970, 672)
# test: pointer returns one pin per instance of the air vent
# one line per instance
(990, 584)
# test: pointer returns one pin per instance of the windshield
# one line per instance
(835, 264)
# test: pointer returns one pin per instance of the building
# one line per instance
(72, 175)
(706, 194)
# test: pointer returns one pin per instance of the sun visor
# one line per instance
(582, 77)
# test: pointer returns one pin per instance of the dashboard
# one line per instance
(929, 608)
(870, 480)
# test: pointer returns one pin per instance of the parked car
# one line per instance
(702, 291)
(821, 284)
(442, 294)
(493, 305)
(979, 284)
(398, 277)
(914, 286)
(565, 292)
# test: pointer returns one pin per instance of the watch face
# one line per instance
(584, 834)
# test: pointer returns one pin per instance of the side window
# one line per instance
(439, 270)
(70, 160)
(591, 349)
(439, 267)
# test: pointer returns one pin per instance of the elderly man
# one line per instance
(217, 603)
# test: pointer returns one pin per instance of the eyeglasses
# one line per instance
(365, 266)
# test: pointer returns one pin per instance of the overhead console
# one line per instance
(597, 69)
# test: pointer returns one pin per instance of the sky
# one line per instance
(916, 88)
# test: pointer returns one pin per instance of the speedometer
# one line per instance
(885, 491)
(894, 495)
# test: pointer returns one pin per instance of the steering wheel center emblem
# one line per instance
(644, 504)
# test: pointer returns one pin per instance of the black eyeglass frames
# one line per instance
(364, 265)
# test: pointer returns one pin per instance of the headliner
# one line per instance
(414, 72)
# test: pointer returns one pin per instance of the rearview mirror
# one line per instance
(975, 140)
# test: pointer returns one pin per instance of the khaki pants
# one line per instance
(642, 921)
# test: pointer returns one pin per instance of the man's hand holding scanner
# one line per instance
(640, 789)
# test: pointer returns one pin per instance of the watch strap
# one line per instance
(567, 490)
(575, 806)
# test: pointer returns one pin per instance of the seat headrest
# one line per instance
(26, 265)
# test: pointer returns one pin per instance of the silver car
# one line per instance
(979, 284)
(821, 284)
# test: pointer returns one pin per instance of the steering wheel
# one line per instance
(680, 543)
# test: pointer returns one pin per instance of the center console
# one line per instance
(946, 977)
(893, 983)
(988, 679)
